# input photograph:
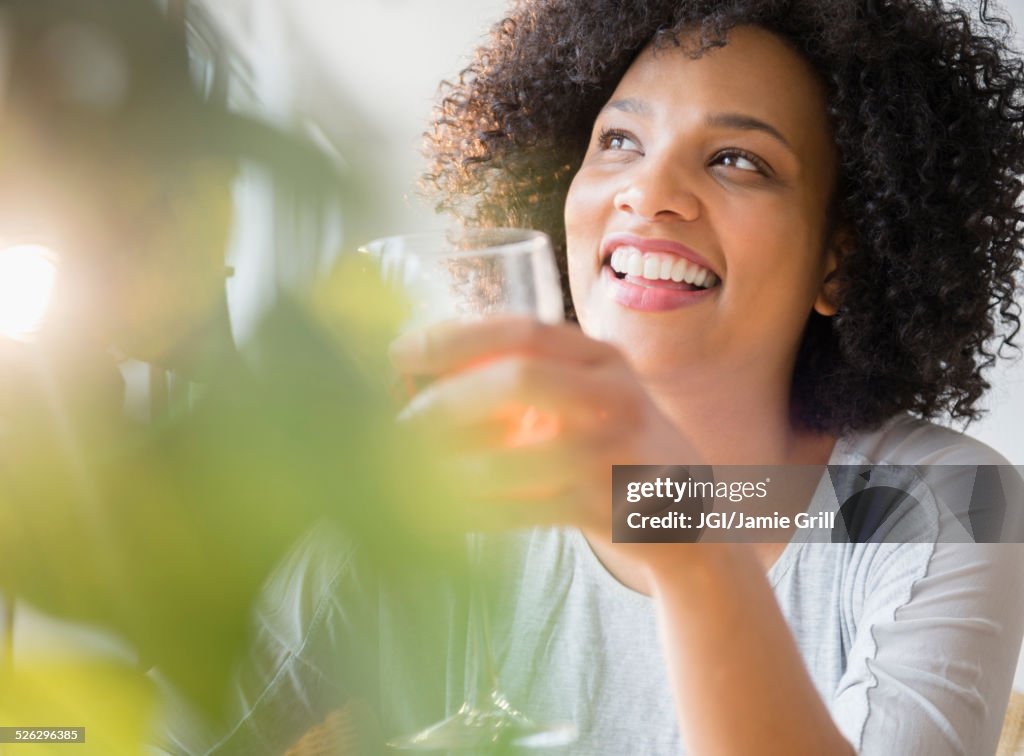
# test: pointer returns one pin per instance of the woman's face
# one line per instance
(696, 225)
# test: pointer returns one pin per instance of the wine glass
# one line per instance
(468, 274)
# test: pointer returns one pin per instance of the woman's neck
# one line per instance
(743, 421)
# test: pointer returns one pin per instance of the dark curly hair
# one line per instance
(927, 113)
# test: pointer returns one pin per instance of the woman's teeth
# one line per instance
(658, 266)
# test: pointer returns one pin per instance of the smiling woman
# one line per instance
(705, 161)
(922, 116)
(796, 225)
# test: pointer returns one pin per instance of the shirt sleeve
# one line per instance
(932, 660)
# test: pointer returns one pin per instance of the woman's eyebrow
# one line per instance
(629, 105)
(715, 120)
(746, 123)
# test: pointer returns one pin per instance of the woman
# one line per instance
(788, 229)
(835, 184)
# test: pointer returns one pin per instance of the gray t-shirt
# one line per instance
(911, 645)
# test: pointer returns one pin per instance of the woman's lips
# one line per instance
(644, 294)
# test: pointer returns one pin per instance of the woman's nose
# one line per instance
(658, 191)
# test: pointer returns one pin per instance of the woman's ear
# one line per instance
(827, 302)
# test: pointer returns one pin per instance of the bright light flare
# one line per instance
(28, 273)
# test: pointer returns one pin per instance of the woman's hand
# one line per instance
(534, 416)
(723, 634)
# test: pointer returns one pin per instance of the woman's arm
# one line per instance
(740, 683)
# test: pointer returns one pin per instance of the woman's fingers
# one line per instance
(522, 488)
(528, 473)
(581, 398)
(455, 345)
(533, 417)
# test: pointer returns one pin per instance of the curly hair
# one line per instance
(927, 113)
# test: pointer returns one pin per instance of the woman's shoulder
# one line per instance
(957, 488)
(907, 440)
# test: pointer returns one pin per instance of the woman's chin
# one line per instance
(652, 349)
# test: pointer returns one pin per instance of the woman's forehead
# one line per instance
(755, 73)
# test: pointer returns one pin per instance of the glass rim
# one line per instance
(519, 240)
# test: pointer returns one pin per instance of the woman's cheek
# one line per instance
(587, 203)
(587, 207)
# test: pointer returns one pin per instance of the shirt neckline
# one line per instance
(589, 561)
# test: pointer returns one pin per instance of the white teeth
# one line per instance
(657, 266)
(666, 268)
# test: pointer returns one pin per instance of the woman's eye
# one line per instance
(742, 162)
(617, 140)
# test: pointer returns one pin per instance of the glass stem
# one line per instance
(484, 673)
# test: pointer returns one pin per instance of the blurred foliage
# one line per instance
(164, 532)
(117, 703)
